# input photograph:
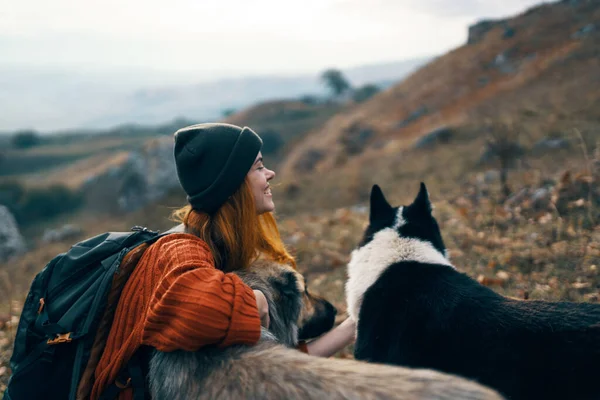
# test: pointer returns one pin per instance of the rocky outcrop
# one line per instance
(309, 160)
(437, 136)
(146, 175)
(478, 30)
(11, 241)
(550, 144)
(356, 138)
(154, 168)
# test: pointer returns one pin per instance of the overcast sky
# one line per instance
(222, 36)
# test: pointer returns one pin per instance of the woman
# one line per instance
(183, 294)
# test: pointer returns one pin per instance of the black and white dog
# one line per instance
(413, 308)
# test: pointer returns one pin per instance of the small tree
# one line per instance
(272, 142)
(365, 92)
(336, 82)
(25, 140)
(228, 112)
(502, 144)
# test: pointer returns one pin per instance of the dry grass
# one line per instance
(83, 146)
(66, 163)
(518, 251)
(74, 175)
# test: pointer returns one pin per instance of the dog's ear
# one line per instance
(422, 203)
(379, 205)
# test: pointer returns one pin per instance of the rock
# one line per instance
(159, 168)
(415, 115)
(551, 144)
(309, 160)
(483, 81)
(491, 176)
(508, 32)
(517, 198)
(360, 209)
(503, 63)
(355, 137)
(11, 241)
(500, 59)
(540, 199)
(66, 232)
(503, 275)
(147, 175)
(437, 136)
(478, 31)
(584, 31)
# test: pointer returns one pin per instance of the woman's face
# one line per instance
(259, 177)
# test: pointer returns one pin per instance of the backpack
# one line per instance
(67, 316)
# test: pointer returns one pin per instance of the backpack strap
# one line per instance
(138, 381)
(126, 267)
(132, 376)
(119, 280)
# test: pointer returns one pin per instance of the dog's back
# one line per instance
(443, 319)
(270, 371)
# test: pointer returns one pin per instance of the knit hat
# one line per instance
(212, 162)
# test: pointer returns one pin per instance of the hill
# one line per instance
(124, 168)
(537, 72)
(283, 124)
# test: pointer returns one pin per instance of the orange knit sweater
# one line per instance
(176, 299)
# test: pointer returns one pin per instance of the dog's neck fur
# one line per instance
(267, 336)
(387, 247)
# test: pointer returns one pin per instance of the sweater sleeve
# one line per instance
(195, 305)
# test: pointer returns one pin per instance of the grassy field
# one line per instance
(34, 165)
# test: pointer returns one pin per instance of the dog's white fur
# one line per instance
(367, 263)
(399, 219)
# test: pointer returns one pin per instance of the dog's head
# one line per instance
(414, 221)
(295, 314)
(394, 234)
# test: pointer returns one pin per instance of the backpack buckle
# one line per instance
(61, 338)
(41, 307)
(139, 228)
(123, 385)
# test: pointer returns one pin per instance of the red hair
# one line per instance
(234, 233)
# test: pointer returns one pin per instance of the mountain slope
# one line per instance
(541, 69)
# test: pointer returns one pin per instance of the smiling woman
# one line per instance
(258, 178)
(184, 293)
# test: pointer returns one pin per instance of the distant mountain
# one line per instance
(56, 100)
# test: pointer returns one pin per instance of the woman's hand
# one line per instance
(263, 308)
(334, 340)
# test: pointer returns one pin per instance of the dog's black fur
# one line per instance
(420, 314)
